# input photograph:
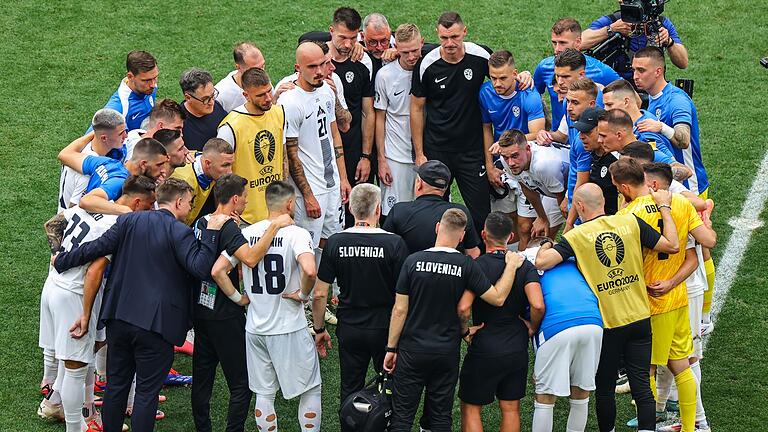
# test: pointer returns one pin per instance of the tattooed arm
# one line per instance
(338, 152)
(54, 230)
(343, 116)
(682, 137)
(300, 179)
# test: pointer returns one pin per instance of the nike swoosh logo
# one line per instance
(307, 117)
(399, 93)
(133, 117)
(482, 173)
(440, 79)
(491, 111)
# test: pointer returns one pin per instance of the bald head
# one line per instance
(589, 201)
(247, 55)
(310, 62)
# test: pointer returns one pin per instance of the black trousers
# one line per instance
(468, 169)
(631, 342)
(146, 354)
(357, 348)
(220, 341)
(415, 372)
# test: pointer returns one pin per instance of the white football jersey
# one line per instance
(230, 94)
(547, 173)
(336, 82)
(393, 95)
(269, 313)
(82, 227)
(131, 140)
(697, 282)
(72, 184)
(308, 117)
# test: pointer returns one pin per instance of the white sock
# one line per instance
(701, 416)
(72, 398)
(310, 410)
(664, 382)
(673, 391)
(577, 417)
(54, 397)
(101, 361)
(706, 317)
(90, 378)
(50, 366)
(542, 417)
(265, 415)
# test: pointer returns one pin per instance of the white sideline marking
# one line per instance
(743, 226)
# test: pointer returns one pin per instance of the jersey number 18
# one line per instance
(274, 277)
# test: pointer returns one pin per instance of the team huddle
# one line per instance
(235, 225)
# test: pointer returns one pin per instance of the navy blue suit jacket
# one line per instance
(156, 259)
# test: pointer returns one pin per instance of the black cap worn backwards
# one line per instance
(588, 119)
(435, 173)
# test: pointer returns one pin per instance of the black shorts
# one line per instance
(485, 378)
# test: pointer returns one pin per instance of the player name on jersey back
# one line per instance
(438, 268)
(361, 252)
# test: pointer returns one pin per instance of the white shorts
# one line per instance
(331, 218)
(401, 189)
(59, 309)
(695, 303)
(551, 207)
(287, 362)
(568, 360)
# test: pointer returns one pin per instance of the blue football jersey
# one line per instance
(673, 106)
(509, 112)
(134, 106)
(544, 74)
(568, 301)
(106, 173)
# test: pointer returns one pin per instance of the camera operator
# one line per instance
(607, 26)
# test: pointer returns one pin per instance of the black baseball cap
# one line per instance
(435, 173)
(315, 36)
(588, 119)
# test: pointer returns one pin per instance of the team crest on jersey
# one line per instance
(658, 112)
(264, 146)
(328, 105)
(391, 201)
(468, 74)
(603, 172)
(516, 111)
(610, 249)
(349, 76)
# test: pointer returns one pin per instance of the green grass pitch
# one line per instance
(61, 60)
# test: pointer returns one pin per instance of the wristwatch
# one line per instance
(391, 350)
(609, 32)
(366, 156)
(318, 331)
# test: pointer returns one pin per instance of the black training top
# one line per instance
(503, 331)
(365, 263)
(357, 79)
(600, 176)
(210, 302)
(415, 222)
(453, 122)
(434, 281)
(198, 130)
